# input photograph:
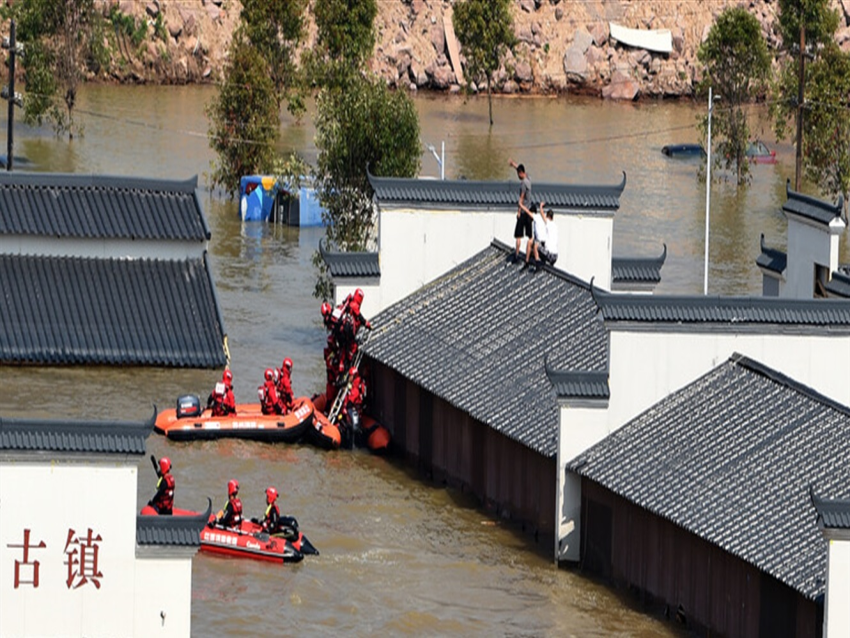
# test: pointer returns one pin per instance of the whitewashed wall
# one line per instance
(163, 598)
(52, 499)
(417, 246)
(836, 621)
(580, 428)
(645, 367)
(809, 243)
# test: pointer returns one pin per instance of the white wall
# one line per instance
(645, 367)
(52, 497)
(836, 620)
(417, 246)
(580, 428)
(163, 601)
(809, 243)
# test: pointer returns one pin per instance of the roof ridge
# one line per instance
(86, 180)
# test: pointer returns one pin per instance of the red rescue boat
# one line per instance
(248, 541)
(189, 422)
(371, 434)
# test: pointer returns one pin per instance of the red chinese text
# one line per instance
(82, 559)
(29, 568)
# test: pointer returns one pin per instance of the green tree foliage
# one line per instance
(365, 125)
(345, 39)
(276, 28)
(737, 66)
(826, 127)
(64, 41)
(244, 117)
(817, 16)
(485, 31)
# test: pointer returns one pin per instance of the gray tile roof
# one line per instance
(478, 195)
(839, 285)
(102, 437)
(638, 269)
(85, 206)
(171, 530)
(580, 385)
(733, 312)
(62, 310)
(477, 337)
(731, 458)
(771, 258)
(810, 207)
(350, 264)
(833, 513)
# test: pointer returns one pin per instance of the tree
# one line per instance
(737, 66)
(807, 27)
(276, 28)
(244, 117)
(64, 40)
(344, 40)
(485, 31)
(826, 127)
(365, 125)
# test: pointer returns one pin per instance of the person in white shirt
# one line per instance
(539, 236)
(545, 238)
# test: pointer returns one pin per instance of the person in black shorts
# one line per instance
(524, 216)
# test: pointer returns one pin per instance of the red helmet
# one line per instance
(287, 363)
(326, 309)
(227, 377)
(355, 307)
(269, 374)
(164, 464)
(271, 494)
(353, 372)
(232, 487)
(358, 296)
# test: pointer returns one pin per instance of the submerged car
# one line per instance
(683, 150)
(758, 153)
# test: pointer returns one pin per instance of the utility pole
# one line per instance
(802, 79)
(9, 94)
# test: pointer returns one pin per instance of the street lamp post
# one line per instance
(708, 186)
(441, 159)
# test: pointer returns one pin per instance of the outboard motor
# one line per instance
(188, 405)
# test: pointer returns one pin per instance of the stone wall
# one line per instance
(564, 46)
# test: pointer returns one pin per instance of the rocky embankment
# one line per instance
(563, 46)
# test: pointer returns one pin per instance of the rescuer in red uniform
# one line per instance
(231, 514)
(269, 401)
(284, 386)
(163, 500)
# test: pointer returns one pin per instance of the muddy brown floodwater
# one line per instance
(399, 555)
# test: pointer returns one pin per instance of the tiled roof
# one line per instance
(730, 458)
(811, 207)
(839, 285)
(171, 530)
(638, 269)
(580, 385)
(771, 258)
(102, 437)
(351, 264)
(60, 310)
(478, 195)
(58, 205)
(733, 311)
(833, 513)
(477, 336)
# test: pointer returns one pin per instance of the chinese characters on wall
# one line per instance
(81, 557)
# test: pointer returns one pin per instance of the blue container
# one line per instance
(257, 197)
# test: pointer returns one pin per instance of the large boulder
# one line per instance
(621, 87)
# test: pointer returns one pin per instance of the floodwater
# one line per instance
(400, 555)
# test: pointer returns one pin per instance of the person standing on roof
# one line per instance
(231, 514)
(284, 386)
(163, 500)
(523, 213)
